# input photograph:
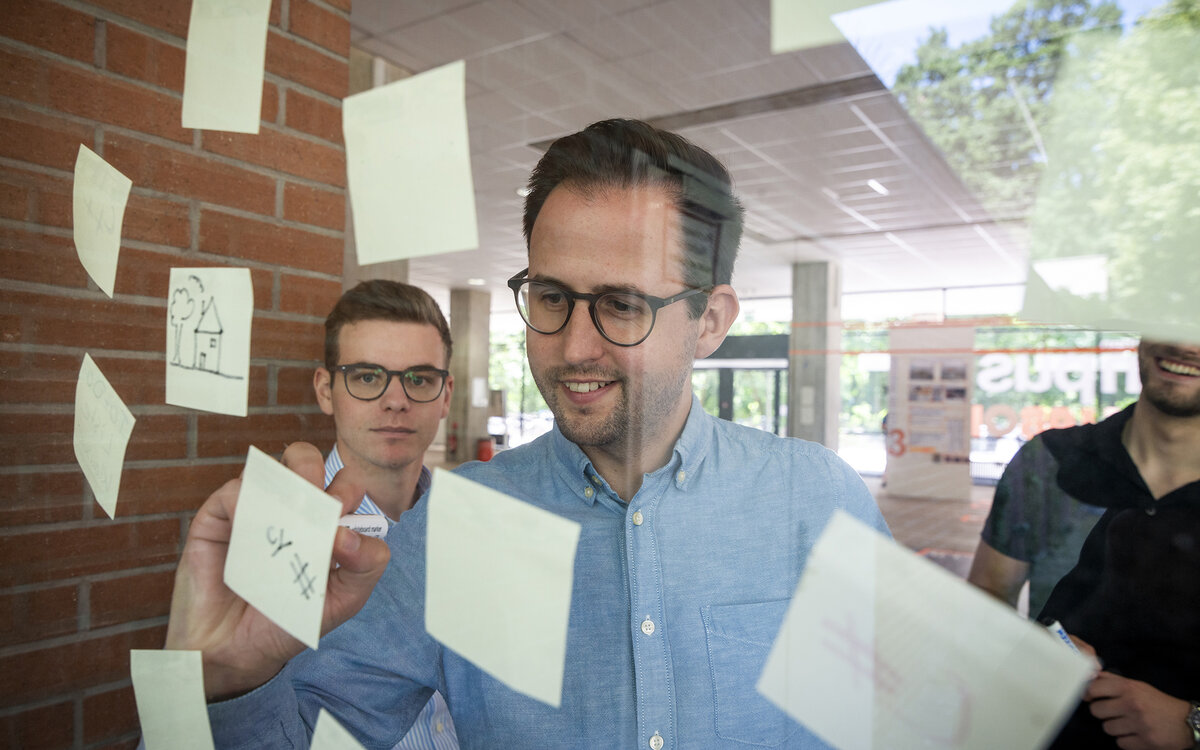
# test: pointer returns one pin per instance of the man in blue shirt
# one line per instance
(385, 383)
(694, 530)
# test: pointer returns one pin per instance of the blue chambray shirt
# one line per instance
(677, 598)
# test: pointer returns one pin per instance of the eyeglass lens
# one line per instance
(623, 318)
(368, 383)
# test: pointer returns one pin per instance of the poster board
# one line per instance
(929, 412)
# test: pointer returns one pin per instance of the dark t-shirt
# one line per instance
(1034, 521)
(1135, 593)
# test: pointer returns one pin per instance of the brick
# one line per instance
(306, 205)
(15, 202)
(136, 55)
(308, 67)
(308, 296)
(189, 175)
(249, 239)
(99, 547)
(289, 340)
(33, 438)
(39, 257)
(51, 27)
(109, 714)
(97, 96)
(44, 728)
(314, 116)
(270, 103)
(293, 387)
(320, 26)
(42, 497)
(41, 139)
(38, 614)
(340, 4)
(176, 489)
(93, 322)
(147, 273)
(286, 153)
(170, 16)
(140, 596)
(228, 436)
(73, 666)
(158, 221)
(36, 378)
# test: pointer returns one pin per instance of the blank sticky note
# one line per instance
(800, 24)
(169, 689)
(498, 583)
(226, 54)
(408, 165)
(103, 425)
(881, 648)
(330, 735)
(209, 314)
(99, 196)
(281, 545)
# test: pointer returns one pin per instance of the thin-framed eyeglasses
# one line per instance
(623, 318)
(366, 381)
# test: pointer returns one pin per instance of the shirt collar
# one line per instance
(690, 449)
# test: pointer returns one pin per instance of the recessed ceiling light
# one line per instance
(877, 187)
(476, 281)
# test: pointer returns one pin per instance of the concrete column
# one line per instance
(814, 374)
(470, 322)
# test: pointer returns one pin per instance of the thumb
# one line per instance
(361, 560)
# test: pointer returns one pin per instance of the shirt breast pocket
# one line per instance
(739, 637)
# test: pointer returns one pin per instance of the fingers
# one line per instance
(305, 460)
(348, 489)
(1105, 685)
(361, 561)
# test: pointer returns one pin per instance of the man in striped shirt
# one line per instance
(379, 332)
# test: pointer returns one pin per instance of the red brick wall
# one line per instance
(77, 589)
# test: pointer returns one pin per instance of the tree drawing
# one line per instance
(185, 301)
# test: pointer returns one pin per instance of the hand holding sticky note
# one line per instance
(281, 546)
(499, 574)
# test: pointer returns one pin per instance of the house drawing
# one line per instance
(208, 339)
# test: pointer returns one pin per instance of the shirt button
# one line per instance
(588, 492)
(648, 626)
(637, 518)
(682, 475)
(440, 727)
(1151, 511)
(656, 742)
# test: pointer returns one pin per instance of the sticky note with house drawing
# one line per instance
(208, 339)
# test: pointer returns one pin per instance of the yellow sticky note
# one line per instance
(103, 425)
(499, 574)
(281, 546)
(226, 55)
(408, 165)
(330, 735)
(169, 689)
(883, 649)
(99, 195)
(800, 24)
(209, 315)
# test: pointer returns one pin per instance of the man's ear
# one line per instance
(449, 389)
(718, 316)
(323, 387)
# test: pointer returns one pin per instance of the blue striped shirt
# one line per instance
(433, 729)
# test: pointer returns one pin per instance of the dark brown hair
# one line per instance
(380, 299)
(628, 153)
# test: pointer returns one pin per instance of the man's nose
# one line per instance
(582, 341)
(394, 397)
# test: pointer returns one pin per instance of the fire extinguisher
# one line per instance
(452, 440)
